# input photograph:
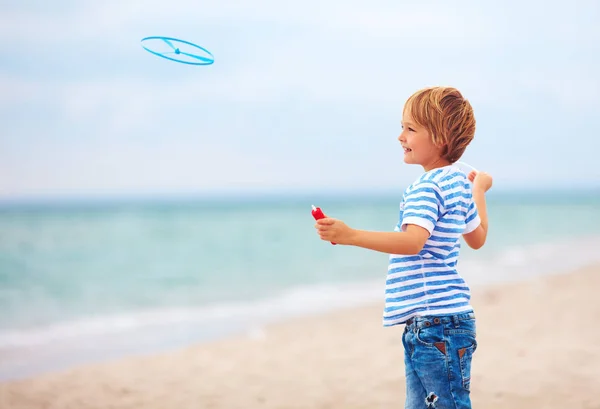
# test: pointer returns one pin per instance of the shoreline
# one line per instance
(104, 339)
(84, 340)
(536, 341)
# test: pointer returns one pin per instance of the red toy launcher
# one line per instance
(318, 214)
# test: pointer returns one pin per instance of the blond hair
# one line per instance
(447, 116)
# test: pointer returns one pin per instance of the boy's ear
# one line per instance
(443, 147)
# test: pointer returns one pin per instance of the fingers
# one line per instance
(472, 175)
(324, 232)
(325, 228)
(326, 221)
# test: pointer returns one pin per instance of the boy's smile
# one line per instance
(418, 145)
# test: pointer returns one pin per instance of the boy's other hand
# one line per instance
(334, 230)
(481, 180)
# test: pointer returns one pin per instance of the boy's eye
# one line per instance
(410, 129)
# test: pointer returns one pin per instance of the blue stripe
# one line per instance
(427, 263)
(441, 282)
(440, 273)
(459, 203)
(418, 216)
(405, 259)
(414, 208)
(447, 230)
(453, 221)
(434, 263)
(471, 218)
(457, 194)
(444, 248)
(453, 185)
(404, 288)
(427, 190)
(434, 174)
(446, 289)
(443, 239)
(442, 256)
(406, 297)
(456, 212)
(404, 268)
(454, 175)
(429, 291)
(427, 274)
(456, 304)
(402, 278)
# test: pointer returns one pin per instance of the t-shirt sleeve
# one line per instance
(472, 220)
(423, 206)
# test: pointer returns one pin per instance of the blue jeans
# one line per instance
(437, 355)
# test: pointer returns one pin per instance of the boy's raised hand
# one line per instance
(481, 180)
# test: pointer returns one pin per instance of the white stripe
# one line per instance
(444, 234)
(439, 311)
(401, 283)
(421, 202)
(457, 217)
(404, 294)
(400, 311)
(424, 287)
(441, 223)
(424, 297)
(472, 209)
(428, 263)
(453, 310)
(425, 269)
(431, 211)
(433, 242)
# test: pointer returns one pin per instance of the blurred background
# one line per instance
(147, 204)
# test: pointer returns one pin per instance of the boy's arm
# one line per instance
(423, 205)
(410, 241)
(476, 238)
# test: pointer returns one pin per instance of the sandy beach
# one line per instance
(539, 347)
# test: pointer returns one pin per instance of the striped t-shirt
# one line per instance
(428, 283)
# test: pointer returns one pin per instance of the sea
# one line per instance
(85, 281)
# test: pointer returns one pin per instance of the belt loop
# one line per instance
(456, 321)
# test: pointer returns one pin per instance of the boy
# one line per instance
(423, 289)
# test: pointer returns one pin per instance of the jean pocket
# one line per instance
(465, 357)
(432, 337)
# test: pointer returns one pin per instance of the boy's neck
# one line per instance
(438, 163)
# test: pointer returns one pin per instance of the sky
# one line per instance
(302, 96)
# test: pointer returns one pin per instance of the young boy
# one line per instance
(423, 289)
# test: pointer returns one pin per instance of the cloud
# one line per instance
(287, 77)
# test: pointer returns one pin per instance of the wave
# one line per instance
(510, 264)
(151, 330)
